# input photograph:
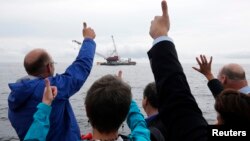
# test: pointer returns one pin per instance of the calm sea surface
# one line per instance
(137, 76)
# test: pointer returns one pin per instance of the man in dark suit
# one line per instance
(178, 109)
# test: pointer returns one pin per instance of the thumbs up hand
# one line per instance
(88, 32)
(50, 92)
(161, 24)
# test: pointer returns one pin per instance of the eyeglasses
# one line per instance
(52, 63)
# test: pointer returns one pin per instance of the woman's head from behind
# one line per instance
(107, 103)
(233, 108)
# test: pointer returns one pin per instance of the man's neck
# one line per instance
(152, 112)
(103, 136)
(237, 84)
(28, 77)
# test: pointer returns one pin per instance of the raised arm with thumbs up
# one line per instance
(41, 124)
(180, 117)
(50, 92)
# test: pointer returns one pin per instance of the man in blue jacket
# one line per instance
(27, 92)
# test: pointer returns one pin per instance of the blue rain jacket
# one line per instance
(27, 94)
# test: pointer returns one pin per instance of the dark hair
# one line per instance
(233, 75)
(233, 107)
(107, 103)
(151, 93)
(37, 67)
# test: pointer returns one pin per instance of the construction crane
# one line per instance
(113, 59)
(114, 53)
(77, 42)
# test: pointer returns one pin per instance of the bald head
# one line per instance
(233, 72)
(35, 62)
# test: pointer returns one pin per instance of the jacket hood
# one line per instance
(21, 92)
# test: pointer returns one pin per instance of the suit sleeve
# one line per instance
(178, 109)
(215, 87)
(76, 74)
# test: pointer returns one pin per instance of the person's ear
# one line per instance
(219, 119)
(146, 101)
(48, 68)
(223, 79)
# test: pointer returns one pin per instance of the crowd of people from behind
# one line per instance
(39, 107)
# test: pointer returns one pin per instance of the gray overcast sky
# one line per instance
(212, 27)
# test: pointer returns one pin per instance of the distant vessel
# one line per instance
(116, 63)
(113, 59)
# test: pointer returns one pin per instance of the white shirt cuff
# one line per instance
(162, 38)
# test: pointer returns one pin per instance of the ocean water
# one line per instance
(137, 76)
